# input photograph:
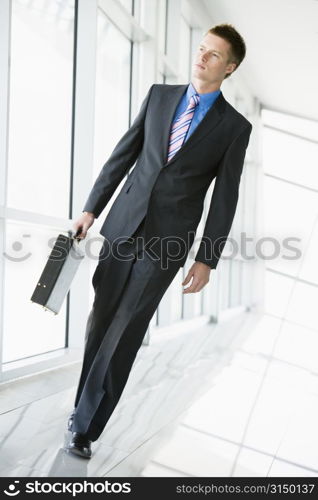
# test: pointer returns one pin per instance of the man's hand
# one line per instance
(84, 222)
(200, 273)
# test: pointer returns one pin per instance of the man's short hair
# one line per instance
(236, 41)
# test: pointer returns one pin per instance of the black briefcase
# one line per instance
(58, 273)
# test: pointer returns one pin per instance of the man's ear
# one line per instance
(230, 68)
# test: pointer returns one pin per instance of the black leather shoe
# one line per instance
(70, 421)
(80, 445)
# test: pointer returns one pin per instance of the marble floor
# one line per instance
(239, 398)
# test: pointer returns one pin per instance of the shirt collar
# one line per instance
(205, 99)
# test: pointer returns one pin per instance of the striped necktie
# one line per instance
(181, 126)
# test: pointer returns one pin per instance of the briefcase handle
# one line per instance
(75, 235)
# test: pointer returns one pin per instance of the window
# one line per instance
(112, 100)
(40, 116)
(128, 4)
(28, 329)
(185, 49)
(39, 167)
(112, 90)
(290, 149)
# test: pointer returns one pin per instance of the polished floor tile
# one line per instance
(154, 469)
(298, 346)
(20, 471)
(225, 409)
(56, 461)
(138, 462)
(262, 338)
(300, 442)
(197, 454)
(228, 399)
(281, 468)
(11, 398)
(250, 463)
(26, 390)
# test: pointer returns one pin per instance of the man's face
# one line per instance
(212, 59)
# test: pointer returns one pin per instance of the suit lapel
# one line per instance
(210, 120)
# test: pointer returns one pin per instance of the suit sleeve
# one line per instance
(223, 202)
(121, 159)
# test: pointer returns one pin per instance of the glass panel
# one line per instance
(112, 90)
(197, 309)
(294, 124)
(290, 213)
(176, 297)
(185, 48)
(277, 293)
(303, 306)
(235, 283)
(188, 306)
(309, 268)
(40, 121)
(28, 328)
(162, 23)
(224, 284)
(128, 4)
(149, 14)
(111, 103)
(291, 158)
(297, 346)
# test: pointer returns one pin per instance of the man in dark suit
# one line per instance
(183, 137)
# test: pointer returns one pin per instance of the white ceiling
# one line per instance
(281, 64)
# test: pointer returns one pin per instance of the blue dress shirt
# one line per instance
(206, 101)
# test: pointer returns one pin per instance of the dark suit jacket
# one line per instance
(171, 195)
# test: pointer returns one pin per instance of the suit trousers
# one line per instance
(128, 289)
